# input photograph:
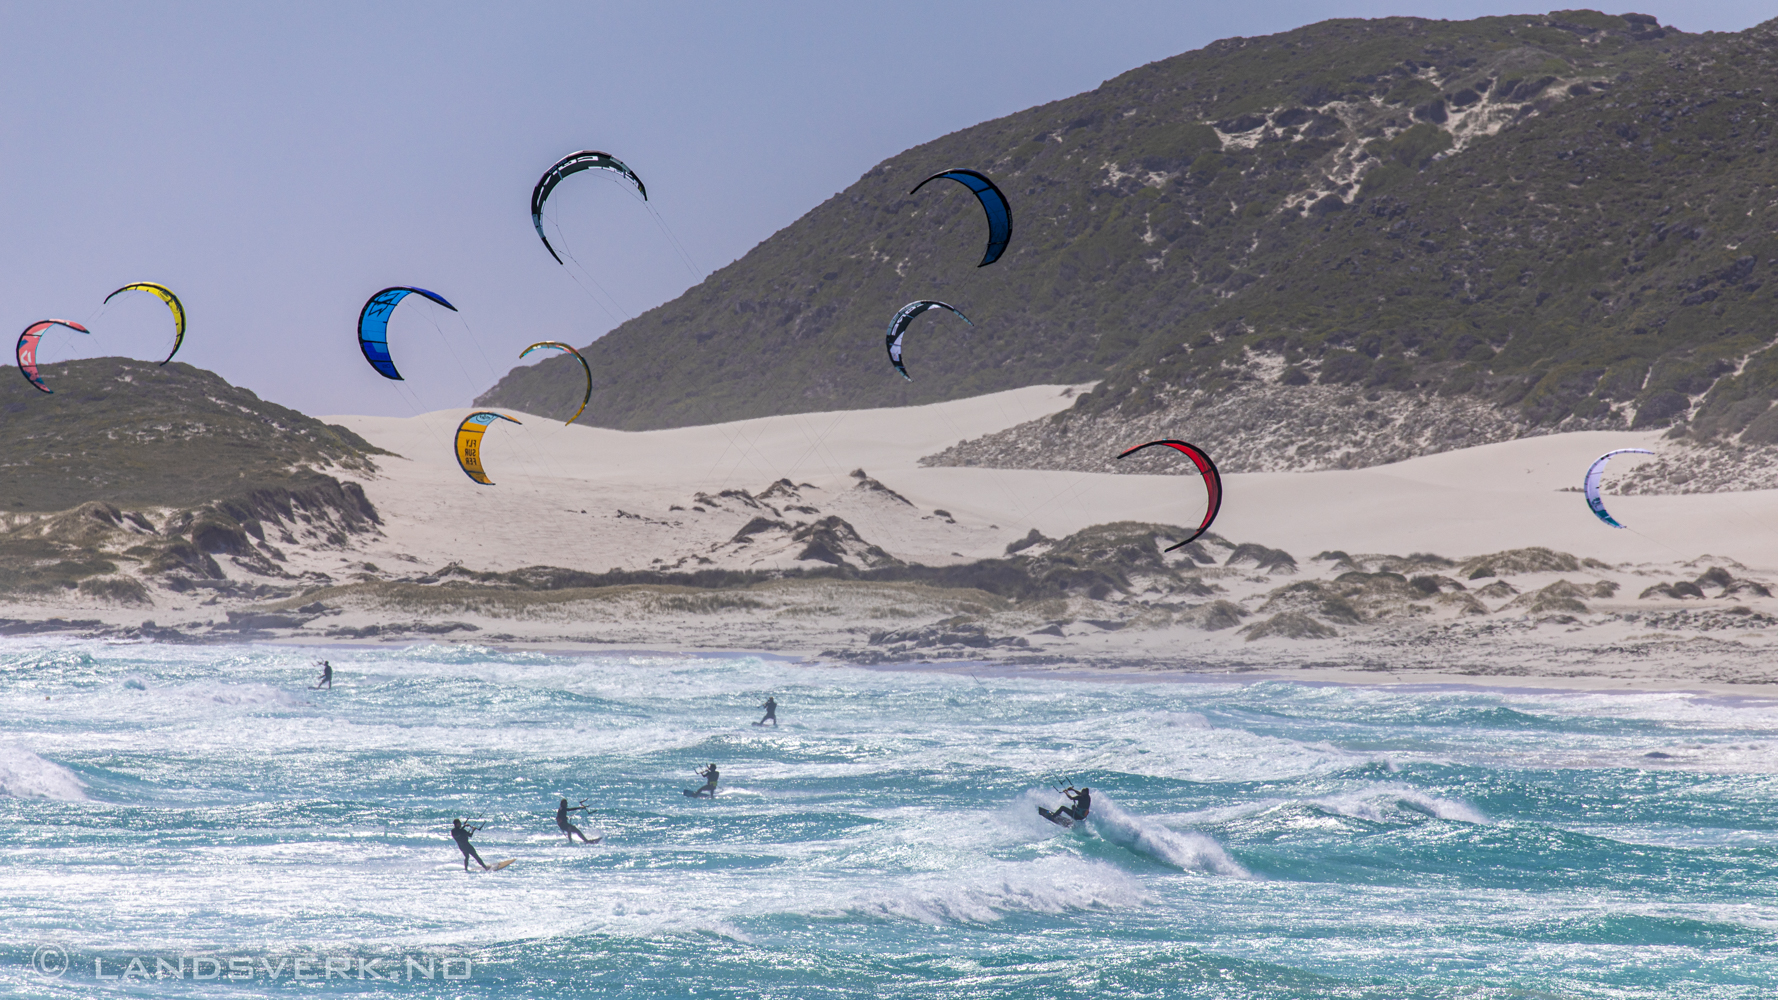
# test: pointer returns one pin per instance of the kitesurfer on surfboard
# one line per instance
(461, 835)
(326, 676)
(566, 827)
(771, 707)
(1083, 804)
(709, 774)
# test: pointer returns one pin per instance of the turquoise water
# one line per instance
(200, 808)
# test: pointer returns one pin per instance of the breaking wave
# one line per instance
(24, 775)
(1183, 849)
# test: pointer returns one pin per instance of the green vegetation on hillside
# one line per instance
(211, 469)
(135, 434)
(1569, 215)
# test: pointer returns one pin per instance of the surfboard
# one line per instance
(496, 866)
(693, 795)
(1057, 817)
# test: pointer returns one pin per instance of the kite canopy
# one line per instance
(27, 349)
(574, 163)
(1596, 474)
(166, 295)
(1212, 482)
(373, 326)
(469, 444)
(993, 202)
(558, 345)
(898, 328)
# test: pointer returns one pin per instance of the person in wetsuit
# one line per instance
(566, 827)
(771, 707)
(709, 774)
(326, 676)
(461, 835)
(1083, 803)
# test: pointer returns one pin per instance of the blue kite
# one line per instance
(373, 326)
(898, 328)
(1596, 478)
(993, 202)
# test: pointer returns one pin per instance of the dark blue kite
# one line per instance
(373, 326)
(898, 328)
(993, 202)
(574, 163)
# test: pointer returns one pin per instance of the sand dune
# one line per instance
(1457, 504)
(842, 498)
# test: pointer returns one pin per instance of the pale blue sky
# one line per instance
(276, 164)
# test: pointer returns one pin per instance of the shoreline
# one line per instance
(1105, 672)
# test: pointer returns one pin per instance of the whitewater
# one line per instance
(199, 822)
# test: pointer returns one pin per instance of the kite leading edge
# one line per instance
(558, 345)
(1212, 482)
(373, 326)
(469, 443)
(27, 347)
(1596, 475)
(166, 295)
(998, 210)
(898, 328)
(574, 163)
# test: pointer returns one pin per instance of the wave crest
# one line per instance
(24, 775)
(1186, 849)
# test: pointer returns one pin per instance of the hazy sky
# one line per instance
(275, 164)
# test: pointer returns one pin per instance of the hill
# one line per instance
(209, 468)
(1562, 218)
(134, 433)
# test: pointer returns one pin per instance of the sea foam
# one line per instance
(25, 775)
(1051, 885)
(1182, 848)
(1375, 802)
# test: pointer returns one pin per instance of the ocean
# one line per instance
(196, 821)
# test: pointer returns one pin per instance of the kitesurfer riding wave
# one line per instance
(1068, 815)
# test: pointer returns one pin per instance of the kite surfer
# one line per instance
(771, 707)
(461, 835)
(709, 774)
(326, 680)
(568, 828)
(1070, 814)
